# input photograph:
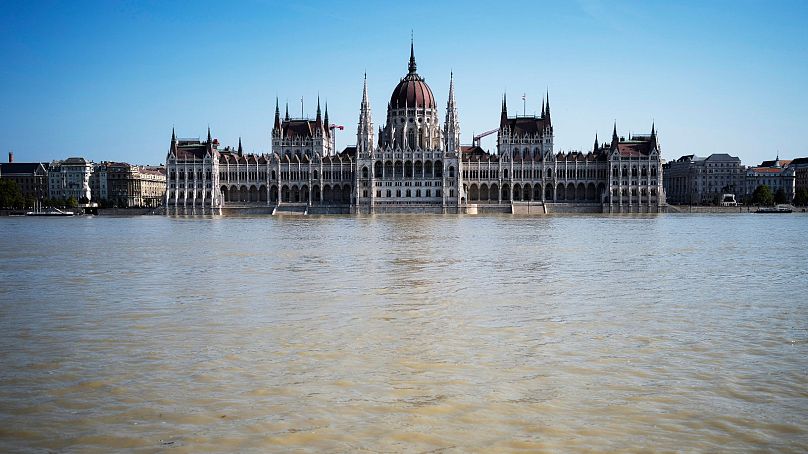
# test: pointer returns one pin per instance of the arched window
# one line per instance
(364, 172)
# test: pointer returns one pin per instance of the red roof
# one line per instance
(412, 92)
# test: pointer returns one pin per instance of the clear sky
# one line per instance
(107, 80)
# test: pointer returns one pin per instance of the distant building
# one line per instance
(800, 166)
(70, 178)
(775, 174)
(128, 185)
(31, 177)
(695, 180)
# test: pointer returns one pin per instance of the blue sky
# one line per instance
(108, 80)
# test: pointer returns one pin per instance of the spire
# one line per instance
(413, 67)
(452, 123)
(451, 102)
(542, 108)
(240, 150)
(325, 120)
(173, 146)
(286, 118)
(596, 143)
(364, 132)
(319, 119)
(503, 117)
(277, 126)
(209, 141)
(614, 134)
(548, 105)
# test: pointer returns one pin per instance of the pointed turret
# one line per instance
(542, 108)
(412, 66)
(173, 147)
(547, 112)
(240, 150)
(615, 139)
(209, 144)
(452, 124)
(503, 117)
(364, 131)
(596, 143)
(286, 118)
(325, 120)
(318, 121)
(277, 125)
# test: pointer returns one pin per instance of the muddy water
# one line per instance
(404, 333)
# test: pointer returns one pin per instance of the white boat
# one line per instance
(50, 212)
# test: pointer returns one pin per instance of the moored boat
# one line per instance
(50, 212)
(777, 209)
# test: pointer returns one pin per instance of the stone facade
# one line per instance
(412, 164)
(775, 174)
(695, 180)
(70, 178)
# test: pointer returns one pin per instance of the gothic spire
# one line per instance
(325, 120)
(542, 108)
(452, 123)
(413, 67)
(240, 150)
(286, 118)
(503, 117)
(596, 143)
(548, 105)
(209, 141)
(277, 116)
(364, 132)
(173, 135)
(319, 119)
(614, 134)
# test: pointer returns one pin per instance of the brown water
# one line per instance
(404, 334)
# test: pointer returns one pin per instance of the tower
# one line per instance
(452, 124)
(364, 132)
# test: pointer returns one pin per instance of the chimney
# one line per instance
(10, 157)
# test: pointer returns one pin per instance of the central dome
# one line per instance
(412, 91)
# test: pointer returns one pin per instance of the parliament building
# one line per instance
(413, 164)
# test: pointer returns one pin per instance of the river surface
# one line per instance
(404, 334)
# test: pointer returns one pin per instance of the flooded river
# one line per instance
(404, 334)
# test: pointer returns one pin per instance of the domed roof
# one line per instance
(412, 91)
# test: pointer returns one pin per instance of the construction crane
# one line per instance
(333, 128)
(477, 138)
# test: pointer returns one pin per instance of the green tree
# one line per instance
(763, 196)
(71, 202)
(10, 194)
(801, 197)
(780, 196)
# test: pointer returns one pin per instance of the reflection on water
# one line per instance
(404, 333)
